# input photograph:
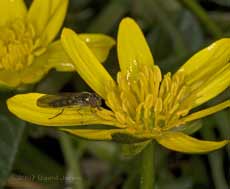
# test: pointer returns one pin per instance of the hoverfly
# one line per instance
(65, 100)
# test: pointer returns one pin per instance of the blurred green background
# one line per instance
(40, 158)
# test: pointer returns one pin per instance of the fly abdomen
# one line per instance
(70, 100)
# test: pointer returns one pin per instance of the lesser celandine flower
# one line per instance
(142, 105)
(26, 48)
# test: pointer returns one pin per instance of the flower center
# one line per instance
(149, 103)
(18, 45)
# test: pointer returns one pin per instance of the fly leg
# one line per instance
(59, 113)
(95, 109)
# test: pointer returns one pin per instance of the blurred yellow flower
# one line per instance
(142, 105)
(26, 48)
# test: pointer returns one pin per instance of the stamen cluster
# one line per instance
(18, 45)
(146, 102)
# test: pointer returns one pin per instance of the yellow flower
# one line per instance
(142, 105)
(26, 48)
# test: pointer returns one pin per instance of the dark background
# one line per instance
(175, 30)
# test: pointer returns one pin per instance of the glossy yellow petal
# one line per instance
(93, 134)
(206, 112)
(85, 62)
(35, 17)
(56, 20)
(99, 44)
(54, 57)
(57, 58)
(49, 22)
(133, 50)
(25, 107)
(36, 71)
(10, 10)
(183, 143)
(208, 88)
(207, 73)
(207, 61)
(213, 86)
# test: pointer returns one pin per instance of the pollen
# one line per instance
(148, 103)
(18, 45)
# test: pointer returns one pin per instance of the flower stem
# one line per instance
(148, 167)
(72, 161)
(216, 161)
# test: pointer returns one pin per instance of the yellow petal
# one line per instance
(183, 143)
(213, 86)
(39, 14)
(36, 71)
(25, 107)
(206, 112)
(93, 134)
(209, 87)
(54, 57)
(120, 135)
(9, 78)
(207, 73)
(99, 44)
(85, 62)
(55, 21)
(133, 50)
(49, 22)
(10, 10)
(58, 58)
(207, 61)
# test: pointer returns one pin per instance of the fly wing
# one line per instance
(48, 100)
(58, 100)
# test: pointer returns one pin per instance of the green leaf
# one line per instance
(155, 9)
(189, 128)
(106, 151)
(38, 162)
(11, 130)
(109, 16)
(191, 31)
(222, 2)
(126, 138)
(131, 150)
(215, 159)
(182, 183)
